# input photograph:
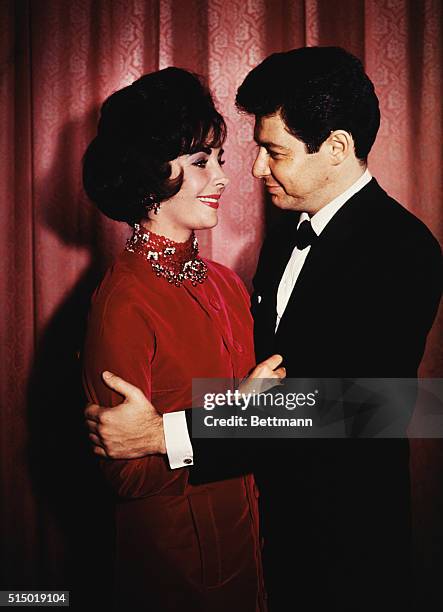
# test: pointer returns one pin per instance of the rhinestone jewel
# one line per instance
(174, 261)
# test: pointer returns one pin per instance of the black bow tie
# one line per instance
(305, 235)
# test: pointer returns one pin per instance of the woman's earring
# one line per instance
(150, 204)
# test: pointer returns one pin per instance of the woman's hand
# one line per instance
(264, 376)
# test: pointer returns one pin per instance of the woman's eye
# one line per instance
(221, 162)
(200, 163)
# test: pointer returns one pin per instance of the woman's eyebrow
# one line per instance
(199, 149)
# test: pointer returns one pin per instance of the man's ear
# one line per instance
(341, 145)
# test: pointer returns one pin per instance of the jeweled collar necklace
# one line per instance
(174, 261)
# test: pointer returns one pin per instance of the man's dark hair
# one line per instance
(316, 90)
(142, 128)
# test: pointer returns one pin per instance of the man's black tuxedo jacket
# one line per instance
(336, 512)
(365, 298)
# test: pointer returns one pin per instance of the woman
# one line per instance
(161, 317)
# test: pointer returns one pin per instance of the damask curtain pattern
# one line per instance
(59, 60)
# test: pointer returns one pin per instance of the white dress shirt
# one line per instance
(318, 222)
(177, 440)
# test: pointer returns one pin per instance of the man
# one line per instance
(347, 286)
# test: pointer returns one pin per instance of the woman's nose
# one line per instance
(221, 179)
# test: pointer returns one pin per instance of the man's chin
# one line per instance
(283, 201)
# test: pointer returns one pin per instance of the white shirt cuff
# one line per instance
(178, 443)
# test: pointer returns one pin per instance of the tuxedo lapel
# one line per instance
(278, 252)
(274, 257)
(329, 259)
(328, 269)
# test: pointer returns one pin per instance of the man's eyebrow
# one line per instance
(270, 144)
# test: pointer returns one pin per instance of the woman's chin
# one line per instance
(208, 223)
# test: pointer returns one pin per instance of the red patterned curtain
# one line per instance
(59, 60)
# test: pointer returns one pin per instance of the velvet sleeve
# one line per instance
(120, 339)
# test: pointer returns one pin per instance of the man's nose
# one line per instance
(260, 168)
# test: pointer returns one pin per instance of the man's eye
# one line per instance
(200, 163)
(274, 155)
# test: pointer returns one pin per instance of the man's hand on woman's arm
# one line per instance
(130, 430)
(134, 428)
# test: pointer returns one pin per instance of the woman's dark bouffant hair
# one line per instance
(317, 90)
(142, 128)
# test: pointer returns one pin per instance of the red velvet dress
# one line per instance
(178, 547)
